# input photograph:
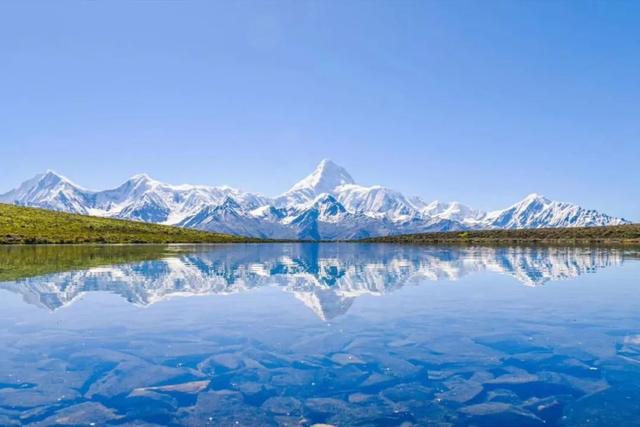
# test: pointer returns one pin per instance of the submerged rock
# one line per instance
(616, 406)
(481, 376)
(503, 395)
(405, 392)
(460, 391)
(189, 387)
(129, 375)
(9, 422)
(547, 408)
(87, 414)
(222, 408)
(346, 359)
(375, 379)
(498, 413)
(282, 405)
(283, 377)
(290, 421)
(514, 379)
(396, 367)
(325, 405)
(250, 388)
(360, 397)
(217, 401)
(586, 385)
(142, 394)
(228, 361)
(439, 375)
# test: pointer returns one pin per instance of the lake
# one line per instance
(303, 334)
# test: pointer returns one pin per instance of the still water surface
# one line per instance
(299, 334)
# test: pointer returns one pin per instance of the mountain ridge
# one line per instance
(327, 204)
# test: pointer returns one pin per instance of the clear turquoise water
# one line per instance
(343, 334)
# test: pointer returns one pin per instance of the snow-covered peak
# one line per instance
(129, 192)
(533, 201)
(324, 179)
(50, 179)
(142, 180)
(536, 211)
(141, 177)
(49, 190)
(533, 197)
(41, 184)
(53, 177)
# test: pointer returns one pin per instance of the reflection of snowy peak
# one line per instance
(327, 205)
(326, 278)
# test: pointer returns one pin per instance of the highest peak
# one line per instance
(140, 177)
(328, 167)
(327, 163)
(325, 177)
(534, 197)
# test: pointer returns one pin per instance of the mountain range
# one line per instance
(326, 205)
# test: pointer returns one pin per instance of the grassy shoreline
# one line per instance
(24, 261)
(25, 225)
(618, 235)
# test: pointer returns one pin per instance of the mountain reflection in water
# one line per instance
(397, 336)
(325, 277)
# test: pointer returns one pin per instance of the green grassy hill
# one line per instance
(20, 224)
(612, 235)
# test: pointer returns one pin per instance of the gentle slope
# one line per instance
(19, 224)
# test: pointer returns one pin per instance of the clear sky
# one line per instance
(477, 101)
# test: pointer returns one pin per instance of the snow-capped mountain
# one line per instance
(328, 204)
(536, 211)
(324, 179)
(50, 191)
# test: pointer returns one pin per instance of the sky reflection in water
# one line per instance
(344, 334)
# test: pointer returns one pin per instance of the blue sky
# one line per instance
(481, 102)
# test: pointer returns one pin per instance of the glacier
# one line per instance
(328, 204)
